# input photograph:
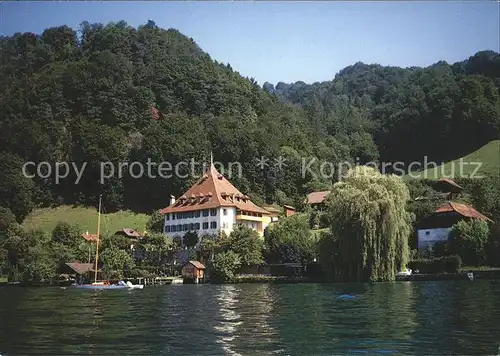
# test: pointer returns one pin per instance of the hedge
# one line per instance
(448, 264)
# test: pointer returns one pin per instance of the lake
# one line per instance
(400, 318)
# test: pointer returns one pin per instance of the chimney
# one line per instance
(172, 200)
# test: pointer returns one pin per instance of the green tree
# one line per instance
(191, 238)
(66, 234)
(246, 243)
(371, 225)
(155, 222)
(290, 240)
(468, 239)
(156, 248)
(16, 190)
(116, 262)
(225, 265)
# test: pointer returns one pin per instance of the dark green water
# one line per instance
(403, 318)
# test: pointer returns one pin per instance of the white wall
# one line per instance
(226, 222)
(428, 237)
(199, 220)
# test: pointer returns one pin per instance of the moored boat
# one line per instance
(104, 285)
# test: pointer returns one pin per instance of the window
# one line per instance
(191, 227)
(179, 228)
(167, 228)
(173, 216)
(197, 214)
(224, 211)
(185, 227)
(225, 225)
(173, 228)
(205, 212)
(167, 216)
(197, 226)
(427, 232)
(205, 225)
(213, 212)
(213, 225)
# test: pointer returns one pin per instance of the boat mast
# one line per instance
(97, 240)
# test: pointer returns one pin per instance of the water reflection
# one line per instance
(414, 318)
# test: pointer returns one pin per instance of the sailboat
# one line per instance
(104, 284)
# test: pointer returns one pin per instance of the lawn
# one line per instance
(86, 218)
(488, 157)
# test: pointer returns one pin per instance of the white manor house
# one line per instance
(213, 205)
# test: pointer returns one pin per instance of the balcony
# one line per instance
(248, 218)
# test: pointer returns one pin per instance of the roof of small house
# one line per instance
(129, 232)
(462, 209)
(197, 264)
(450, 182)
(90, 237)
(289, 207)
(213, 190)
(316, 197)
(80, 268)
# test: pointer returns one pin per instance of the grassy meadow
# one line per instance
(86, 218)
(488, 156)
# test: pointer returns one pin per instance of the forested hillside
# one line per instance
(85, 96)
(443, 111)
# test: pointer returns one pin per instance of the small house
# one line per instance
(450, 187)
(89, 237)
(193, 272)
(289, 210)
(317, 199)
(437, 226)
(129, 233)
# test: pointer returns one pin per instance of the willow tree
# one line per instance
(370, 225)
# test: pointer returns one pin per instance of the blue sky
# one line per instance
(291, 41)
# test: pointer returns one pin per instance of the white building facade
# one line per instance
(211, 206)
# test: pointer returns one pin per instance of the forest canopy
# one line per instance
(85, 95)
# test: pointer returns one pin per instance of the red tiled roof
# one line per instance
(197, 264)
(155, 113)
(316, 197)
(462, 209)
(90, 237)
(450, 182)
(212, 190)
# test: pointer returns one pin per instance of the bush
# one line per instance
(136, 272)
(448, 264)
(225, 266)
(452, 263)
(468, 239)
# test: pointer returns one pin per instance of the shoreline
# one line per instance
(263, 279)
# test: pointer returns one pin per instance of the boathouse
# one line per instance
(80, 271)
(193, 272)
